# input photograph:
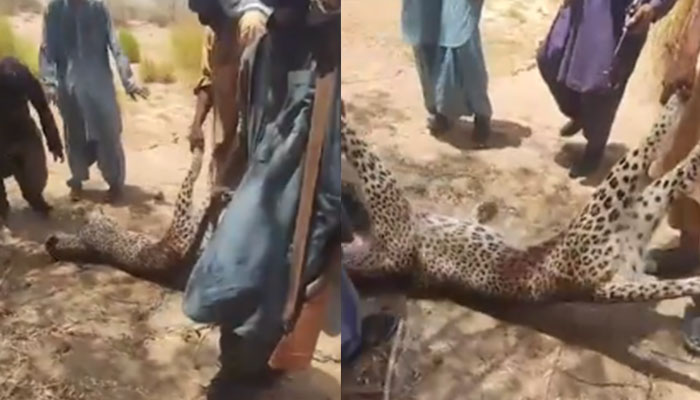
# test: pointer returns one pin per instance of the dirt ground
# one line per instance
(484, 351)
(89, 332)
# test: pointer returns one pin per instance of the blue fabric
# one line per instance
(351, 327)
(449, 58)
(446, 23)
(454, 80)
(241, 279)
(74, 61)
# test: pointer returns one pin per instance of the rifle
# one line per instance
(320, 115)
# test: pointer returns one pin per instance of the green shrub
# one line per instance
(155, 72)
(186, 38)
(7, 38)
(130, 46)
(13, 46)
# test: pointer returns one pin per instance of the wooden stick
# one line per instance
(325, 90)
(392, 360)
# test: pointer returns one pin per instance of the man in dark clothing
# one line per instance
(21, 152)
(586, 61)
(241, 280)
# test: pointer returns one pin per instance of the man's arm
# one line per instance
(252, 16)
(120, 58)
(661, 8)
(690, 41)
(680, 73)
(646, 14)
(36, 96)
(203, 92)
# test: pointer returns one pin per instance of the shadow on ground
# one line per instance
(373, 110)
(451, 351)
(573, 151)
(132, 197)
(503, 134)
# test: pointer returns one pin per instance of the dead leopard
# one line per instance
(167, 260)
(599, 258)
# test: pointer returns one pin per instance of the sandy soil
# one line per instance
(484, 351)
(89, 332)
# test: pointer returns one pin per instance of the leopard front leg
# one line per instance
(393, 228)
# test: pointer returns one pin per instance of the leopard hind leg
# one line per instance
(650, 206)
(652, 290)
(629, 176)
(599, 229)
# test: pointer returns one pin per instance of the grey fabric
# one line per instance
(241, 279)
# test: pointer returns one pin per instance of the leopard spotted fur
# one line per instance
(599, 258)
(167, 260)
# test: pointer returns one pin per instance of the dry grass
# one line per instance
(130, 46)
(186, 39)
(667, 33)
(13, 46)
(160, 12)
(157, 72)
(14, 6)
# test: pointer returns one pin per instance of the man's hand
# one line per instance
(51, 94)
(57, 152)
(139, 91)
(196, 137)
(679, 78)
(251, 26)
(641, 19)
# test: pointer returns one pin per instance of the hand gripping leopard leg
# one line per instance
(647, 212)
(392, 244)
(601, 230)
(629, 174)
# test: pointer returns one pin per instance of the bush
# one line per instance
(12, 46)
(186, 39)
(7, 38)
(154, 72)
(130, 46)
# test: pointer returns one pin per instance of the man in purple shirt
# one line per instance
(586, 61)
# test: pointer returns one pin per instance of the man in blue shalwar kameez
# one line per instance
(586, 77)
(450, 61)
(75, 70)
(241, 280)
